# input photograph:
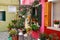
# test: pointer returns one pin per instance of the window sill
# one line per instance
(53, 28)
(2, 21)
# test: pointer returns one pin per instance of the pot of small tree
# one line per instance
(13, 34)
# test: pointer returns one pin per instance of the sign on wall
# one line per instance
(11, 8)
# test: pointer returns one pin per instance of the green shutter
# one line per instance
(3, 15)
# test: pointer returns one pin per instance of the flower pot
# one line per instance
(14, 37)
(56, 25)
(38, 39)
(21, 37)
(9, 38)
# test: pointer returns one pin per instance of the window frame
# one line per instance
(5, 16)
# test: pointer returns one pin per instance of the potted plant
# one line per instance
(13, 34)
(35, 3)
(28, 30)
(56, 23)
(34, 27)
(43, 36)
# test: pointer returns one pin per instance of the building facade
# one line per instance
(8, 10)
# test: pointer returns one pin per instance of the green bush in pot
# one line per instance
(12, 32)
(34, 27)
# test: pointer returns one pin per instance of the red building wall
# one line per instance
(55, 33)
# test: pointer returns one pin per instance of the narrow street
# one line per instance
(4, 35)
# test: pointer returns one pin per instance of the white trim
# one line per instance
(2, 10)
(52, 15)
(53, 28)
(2, 21)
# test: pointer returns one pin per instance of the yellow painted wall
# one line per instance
(9, 16)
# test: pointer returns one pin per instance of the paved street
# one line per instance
(4, 35)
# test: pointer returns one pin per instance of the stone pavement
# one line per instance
(4, 35)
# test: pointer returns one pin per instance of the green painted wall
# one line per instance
(9, 16)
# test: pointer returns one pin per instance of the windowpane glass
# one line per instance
(2, 15)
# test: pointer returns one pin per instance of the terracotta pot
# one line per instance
(14, 37)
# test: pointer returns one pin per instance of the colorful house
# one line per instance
(50, 12)
(7, 13)
(51, 17)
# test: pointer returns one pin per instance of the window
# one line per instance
(2, 16)
(56, 14)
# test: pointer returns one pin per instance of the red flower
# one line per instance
(56, 21)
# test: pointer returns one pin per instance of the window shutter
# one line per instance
(3, 16)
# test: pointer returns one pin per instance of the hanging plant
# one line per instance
(23, 11)
(35, 2)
